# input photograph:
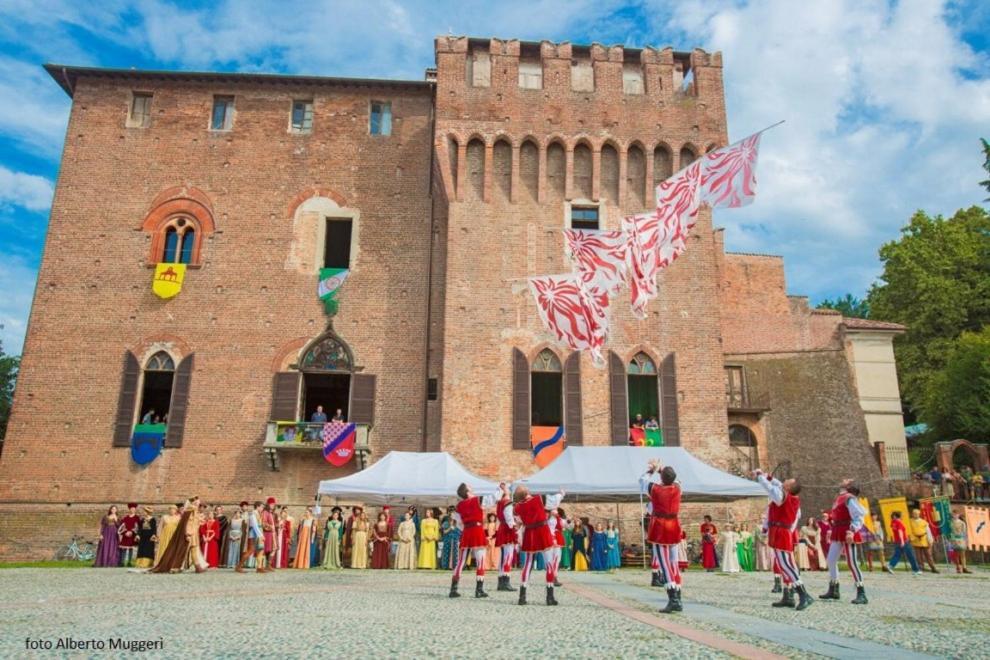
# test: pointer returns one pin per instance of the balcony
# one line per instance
(306, 437)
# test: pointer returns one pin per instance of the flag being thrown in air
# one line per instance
(571, 313)
(331, 279)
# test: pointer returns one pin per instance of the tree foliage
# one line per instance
(8, 374)
(936, 281)
(986, 165)
(957, 402)
(849, 306)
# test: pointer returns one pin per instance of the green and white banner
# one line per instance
(331, 279)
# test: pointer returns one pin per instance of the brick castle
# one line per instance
(440, 196)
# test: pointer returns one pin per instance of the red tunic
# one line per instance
(473, 518)
(128, 531)
(841, 520)
(780, 521)
(665, 528)
(537, 536)
(505, 534)
(558, 531)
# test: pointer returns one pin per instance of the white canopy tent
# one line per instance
(611, 474)
(429, 479)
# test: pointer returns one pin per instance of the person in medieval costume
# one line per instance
(505, 538)
(451, 540)
(268, 528)
(709, 539)
(128, 534)
(556, 523)
(429, 534)
(469, 516)
(405, 558)
(223, 522)
(185, 539)
(147, 535)
(166, 529)
(665, 529)
(783, 515)
(305, 540)
(531, 510)
(233, 545)
(847, 518)
(255, 544)
(332, 533)
(108, 549)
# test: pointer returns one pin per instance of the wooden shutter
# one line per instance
(573, 430)
(362, 406)
(285, 396)
(126, 401)
(180, 402)
(668, 402)
(520, 400)
(618, 399)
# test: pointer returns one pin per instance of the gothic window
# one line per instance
(156, 391)
(643, 388)
(328, 354)
(546, 377)
(180, 241)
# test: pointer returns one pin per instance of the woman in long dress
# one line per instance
(304, 540)
(209, 534)
(744, 548)
(599, 549)
(429, 534)
(359, 542)
(579, 546)
(314, 544)
(183, 547)
(147, 535)
(331, 540)
(283, 528)
(709, 537)
(234, 540)
(565, 552)
(612, 542)
(764, 557)
(808, 540)
(166, 530)
(730, 557)
(451, 541)
(380, 542)
(108, 550)
(405, 557)
(491, 553)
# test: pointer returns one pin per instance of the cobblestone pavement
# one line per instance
(389, 614)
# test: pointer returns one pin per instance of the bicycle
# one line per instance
(78, 550)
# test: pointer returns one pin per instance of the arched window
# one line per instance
(327, 367)
(687, 157)
(156, 389)
(547, 401)
(644, 389)
(180, 241)
(741, 436)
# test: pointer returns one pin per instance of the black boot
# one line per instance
(522, 595)
(804, 599)
(550, 599)
(673, 602)
(479, 590)
(832, 593)
(501, 584)
(508, 585)
(453, 589)
(787, 600)
(776, 585)
(655, 582)
(860, 598)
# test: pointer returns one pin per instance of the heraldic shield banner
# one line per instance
(168, 280)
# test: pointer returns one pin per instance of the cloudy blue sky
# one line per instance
(884, 100)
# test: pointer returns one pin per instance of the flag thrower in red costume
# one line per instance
(531, 510)
(665, 529)
(783, 514)
(470, 517)
(847, 517)
(505, 537)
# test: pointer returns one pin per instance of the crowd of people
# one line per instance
(961, 485)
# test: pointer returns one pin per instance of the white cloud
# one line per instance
(17, 282)
(29, 191)
(33, 110)
(880, 122)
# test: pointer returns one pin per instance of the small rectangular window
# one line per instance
(632, 78)
(302, 117)
(223, 113)
(584, 217)
(432, 389)
(140, 113)
(531, 74)
(337, 245)
(582, 74)
(380, 121)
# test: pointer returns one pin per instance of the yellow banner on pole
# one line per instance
(168, 280)
(888, 506)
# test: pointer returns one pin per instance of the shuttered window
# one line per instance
(362, 408)
(668, 402)
(520, 400)
(618, 400)
(285, 396)
(573, 417)
(126, 401)
(180, 402)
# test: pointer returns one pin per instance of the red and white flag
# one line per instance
(576, 318)
(600, 258)
(729, 175)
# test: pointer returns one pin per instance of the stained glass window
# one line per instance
(327, 354)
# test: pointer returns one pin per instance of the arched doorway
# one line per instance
(742, 440)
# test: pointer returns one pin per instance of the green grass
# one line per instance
(46, 564)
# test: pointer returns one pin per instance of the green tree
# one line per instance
(8, 374)
(957, 403)
(986, 165)
(849, 305)
(936, 281)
